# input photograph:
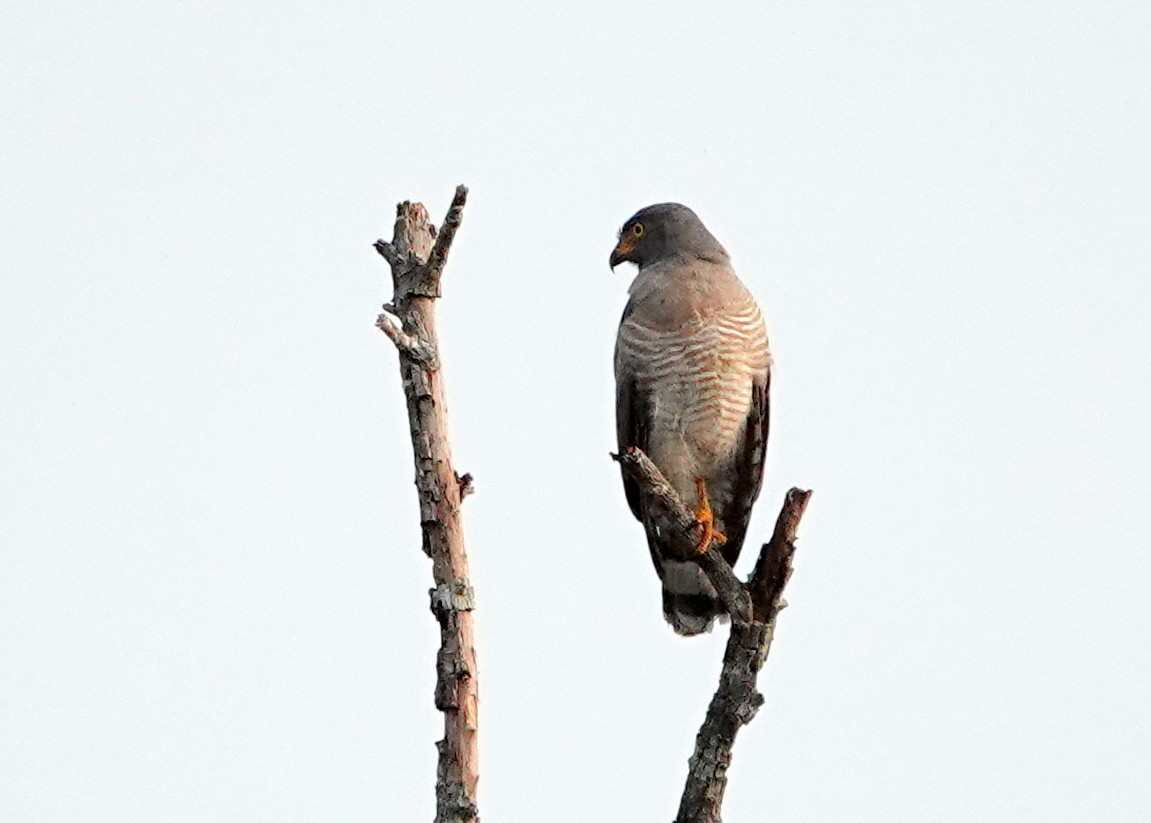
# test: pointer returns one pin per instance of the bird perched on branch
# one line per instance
(692, 370)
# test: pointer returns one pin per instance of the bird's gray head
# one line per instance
(663, 231)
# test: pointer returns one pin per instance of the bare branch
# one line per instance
(668, 512)
(736, 701)
(452, 220)
(773, 567)
(409, 346)
(753, 609)
(387, 251)
(406, 343)
(440, 490)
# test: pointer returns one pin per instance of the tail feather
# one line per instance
(691, 614)
(690, 603)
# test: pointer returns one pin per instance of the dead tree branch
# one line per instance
(736, 701)
(670, 514)
(416, 257)
(753, 608)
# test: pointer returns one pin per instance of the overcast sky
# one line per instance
(213, 605)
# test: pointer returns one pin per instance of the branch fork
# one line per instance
(737, 700)
(416, 256)
(753, 607)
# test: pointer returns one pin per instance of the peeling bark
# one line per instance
(416, 256)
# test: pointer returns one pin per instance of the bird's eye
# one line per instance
(637, 229)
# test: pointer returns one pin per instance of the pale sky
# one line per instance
(213, 604)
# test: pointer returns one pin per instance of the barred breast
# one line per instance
(696, 367)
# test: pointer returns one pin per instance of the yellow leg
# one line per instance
(704, 517)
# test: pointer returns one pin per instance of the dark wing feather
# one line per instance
(631, 420)
(632, 415)
(747, 467)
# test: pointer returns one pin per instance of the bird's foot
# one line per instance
(706, 519)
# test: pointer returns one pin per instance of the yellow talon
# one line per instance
(706, 519)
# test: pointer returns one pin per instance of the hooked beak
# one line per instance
(622, 253)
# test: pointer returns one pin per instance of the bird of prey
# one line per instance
(692, 369)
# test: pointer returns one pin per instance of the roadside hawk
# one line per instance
(692, 370)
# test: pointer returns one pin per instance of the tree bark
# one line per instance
(752, 607)
(736, 701)
(417, 256)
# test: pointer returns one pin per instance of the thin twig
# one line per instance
(409, 345)
(406, 343)
(455, 215)
(773, 566)
(387, 251)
